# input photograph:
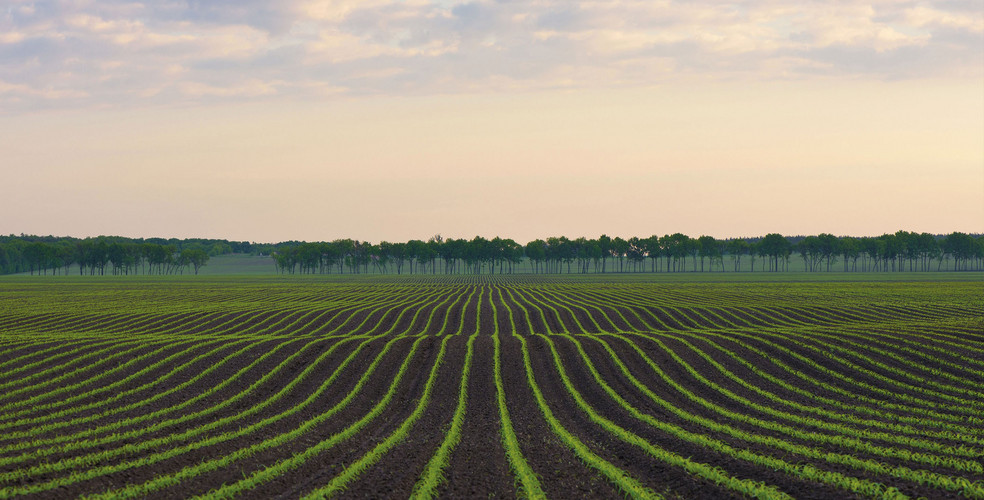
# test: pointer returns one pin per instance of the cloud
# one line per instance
(921, 16)
(117, 52)
(250, 88)
(23, 91)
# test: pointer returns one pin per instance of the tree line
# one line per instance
(109, 255)
(901, 251)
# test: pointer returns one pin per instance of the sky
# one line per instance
(394, 120)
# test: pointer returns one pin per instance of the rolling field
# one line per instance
(491, 386)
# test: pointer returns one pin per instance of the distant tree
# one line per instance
(605, 244)
(218, 248)
(346, 253)
(566, 252)
(14, 260)
(899, 251)
(653, 250)
(579, 247)
(962, 247)
(536, 252)
(929, 249)
(434, 245)
(512, 253)
(829, 246)
(5, 264)
(637, 253)
(668, 249)
(619, 249)
(479, 253)
(34, 256)
(417, 251)
(736, 248)
(850, 249)
(754, 250)
(687, 247)
(594, 252)
(455, 249)
(707, 247)
(118, 257)
(776, 247)
(869, 253)
(890, 249)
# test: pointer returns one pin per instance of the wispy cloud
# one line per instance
(114, 52)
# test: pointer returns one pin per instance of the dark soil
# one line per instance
(714, 319)
(478, 468)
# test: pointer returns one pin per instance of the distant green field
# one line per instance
(260, 265)
(256, 265)
(239, 264)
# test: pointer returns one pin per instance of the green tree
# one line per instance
(605, 243)
(828, 247)
(536, 252)
(653, 250)
(776, 247)
(736, 248)
(960, 246)
(850, 249)
(707, 247)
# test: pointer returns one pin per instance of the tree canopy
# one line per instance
(900, 251)
(109, 255)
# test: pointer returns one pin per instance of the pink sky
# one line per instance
(392, 121)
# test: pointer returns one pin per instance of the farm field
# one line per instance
(597, 386)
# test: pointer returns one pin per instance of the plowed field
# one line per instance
(490, 386)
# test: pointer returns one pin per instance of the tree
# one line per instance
(929, 248)
(707, 247)
(119, 257)
(676, 247)
(513, 253)
(605, 244)
(667, 248)
(885, 253)
(580, 250)
(653, 250)
(346, 251)
(445, 250)
(565, 252)
(479, 252)
(13, 261)
(961, 247)
(594, 252)
(434, 245)
(455, 251)
(850, 250)
(34, 256)
(870, 252)
(636, 253)
(536, 251)
(619, 250)
(776, 247)
(5, 264)
(196, 257)
(754, 250)
(890, 249)
(828, 246)
(737, 247)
